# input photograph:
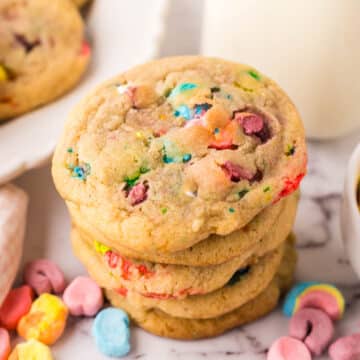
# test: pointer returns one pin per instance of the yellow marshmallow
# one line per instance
(45, 321)
(31, 350)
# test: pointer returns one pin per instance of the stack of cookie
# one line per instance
(180, 176)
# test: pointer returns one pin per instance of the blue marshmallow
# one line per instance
(111, 329)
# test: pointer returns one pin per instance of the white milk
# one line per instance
(310, 47)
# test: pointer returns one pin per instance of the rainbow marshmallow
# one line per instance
(315, 295)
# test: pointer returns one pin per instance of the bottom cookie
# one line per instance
(159, 323)
(162, 324)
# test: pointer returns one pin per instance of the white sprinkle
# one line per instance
(122, 89)
(190, 193)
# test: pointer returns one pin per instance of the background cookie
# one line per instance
(42, 53)
(189, 140)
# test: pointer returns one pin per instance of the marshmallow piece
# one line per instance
(112, 333)
(346, 348)
(313, 327)
(13, 208)
(4, 344)
(287, 348)
(31, 349)
(311, 294)
(83, 297)
(15, 306)
(45, 321)
(44, 277)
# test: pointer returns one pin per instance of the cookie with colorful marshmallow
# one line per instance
(260, 235)
(42, 53)
(184, 140)
(162, 323)
(164, 280)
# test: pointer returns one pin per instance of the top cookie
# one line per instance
(42, 52)
(172, 151)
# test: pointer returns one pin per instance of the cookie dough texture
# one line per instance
(221, 300)
(79, 3)
(161, 323)
(42, 53)
(269, 227)
(166, 154)
(112, 270)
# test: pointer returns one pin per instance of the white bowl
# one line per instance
(350, 213)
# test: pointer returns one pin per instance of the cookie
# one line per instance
(42, 53)
(240, 288)
(79, 3)
(215, 250)
(163, 280)
(234, 294)
(162, 324)
(175, 150)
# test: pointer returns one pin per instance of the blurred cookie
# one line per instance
(42, 53)
(238, 291)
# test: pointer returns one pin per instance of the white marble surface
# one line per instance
(319, 243)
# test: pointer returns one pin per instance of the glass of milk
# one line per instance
(310, 47)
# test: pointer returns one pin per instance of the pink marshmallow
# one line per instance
(16, 305)
(236, 172)
(287, 348)
(138, 194)
(251, 123)
(346, 348)
(83, 297)
(4, 344)
(44, 277)
(314, 327)
(321, 300)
